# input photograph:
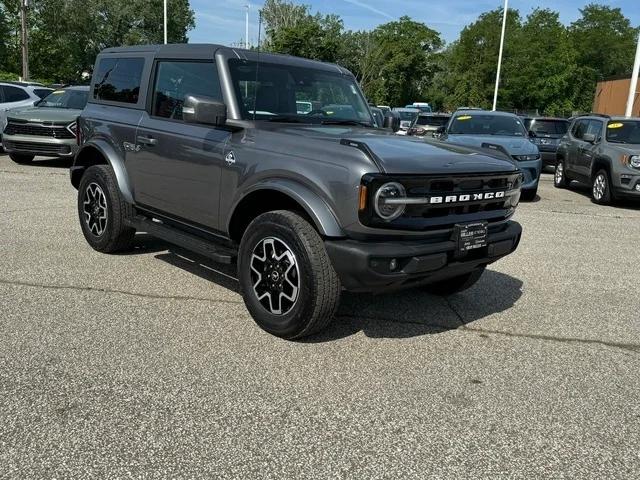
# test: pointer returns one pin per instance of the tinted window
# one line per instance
(118, 79)
(550, 127)
(175, 80)
(595, 128)
(14, 94)
(431, 121)
(42, 92)
(580, 128)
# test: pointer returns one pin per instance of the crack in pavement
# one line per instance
(630, 347)
(122, 292)
(32, 173)
(34, 208)
(595, 215)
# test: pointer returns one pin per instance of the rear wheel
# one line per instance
(286, 278)
(21, 157)
(102, 211)
(455, 284)
(601, 188)
(560, 179)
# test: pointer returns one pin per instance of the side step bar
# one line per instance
(217, 253)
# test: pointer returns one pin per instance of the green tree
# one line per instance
(539, 75)
(472, 61)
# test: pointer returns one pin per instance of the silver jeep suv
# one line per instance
(604, 152)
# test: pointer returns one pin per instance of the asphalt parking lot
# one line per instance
(147, 365)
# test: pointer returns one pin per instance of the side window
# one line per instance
(175, 80)
(14, 94)
(580, 128)
(595, 127)
(118, 79)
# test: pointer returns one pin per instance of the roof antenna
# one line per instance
(255, 92)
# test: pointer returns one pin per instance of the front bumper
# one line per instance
(363, 266)
(531, 170)
(35, 145)
(627, 185)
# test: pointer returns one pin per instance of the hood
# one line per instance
(399, 154)
(44, 114)
(513, 145)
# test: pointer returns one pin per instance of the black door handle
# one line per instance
(147, 140)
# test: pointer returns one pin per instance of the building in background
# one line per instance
(611, 97)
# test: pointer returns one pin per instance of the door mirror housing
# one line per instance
(441, 129)
(589, 138)
(204, 110)
(391, 121)
(532, 134)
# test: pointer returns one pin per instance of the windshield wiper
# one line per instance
(346, 122)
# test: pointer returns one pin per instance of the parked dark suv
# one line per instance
(204, 146)
(546, 133)
(603, 152)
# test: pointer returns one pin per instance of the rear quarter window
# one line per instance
(118, 80)
(14, 94)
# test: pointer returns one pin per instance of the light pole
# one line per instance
(634, 82)
(165, 22)
(25, 39)
(246, 27)
(504, 24)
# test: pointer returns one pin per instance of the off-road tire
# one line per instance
(116, 236)
(560, 179)
(606, 197)
(318, 285)
(455, 284)
(21, 158)
(529, 195)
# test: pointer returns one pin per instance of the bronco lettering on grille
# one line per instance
(473, 197)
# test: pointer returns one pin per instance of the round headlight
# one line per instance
(389, 211)
(634, 161)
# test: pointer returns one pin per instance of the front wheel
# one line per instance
(560, 179)
(286, 278)
(456, 284)
(21, 158)
(601, 188)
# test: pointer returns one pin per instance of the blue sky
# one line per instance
(222, 21)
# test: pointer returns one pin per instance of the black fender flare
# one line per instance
(318, 210)
(599, 160)
(112, 156)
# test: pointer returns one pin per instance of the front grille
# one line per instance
(444, 215)
(39, 130)
(32, 147)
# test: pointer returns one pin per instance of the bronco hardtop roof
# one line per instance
(188, 50)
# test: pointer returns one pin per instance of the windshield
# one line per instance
(624, 131)
(42, 92)
(479, 124)
(298, 94)
(431, 121)
(546, 127)
(406, 115)
(74, 99)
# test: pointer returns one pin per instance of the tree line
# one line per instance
(66, 35)
(547, 66)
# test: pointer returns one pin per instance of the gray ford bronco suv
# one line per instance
(204, 147)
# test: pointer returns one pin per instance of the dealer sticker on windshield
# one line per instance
(464, 117)
(615, 125)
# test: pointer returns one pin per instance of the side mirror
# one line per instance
(392, 121)
(441, 130)
(204, 110)
(532, 134)
(589, 138)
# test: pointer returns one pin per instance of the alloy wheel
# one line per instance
(94, 207)
(559, 173)
(599, 186)
(275, 275)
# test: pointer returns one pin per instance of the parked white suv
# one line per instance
(19, 94)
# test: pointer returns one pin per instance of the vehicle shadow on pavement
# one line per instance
(413, 313)
(52, 163)
(620, 204)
